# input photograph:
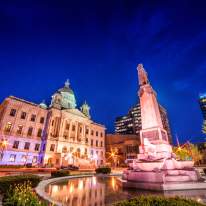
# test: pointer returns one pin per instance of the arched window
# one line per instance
(64, 149)
(78, 152)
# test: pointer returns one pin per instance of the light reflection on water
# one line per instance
(103, 191)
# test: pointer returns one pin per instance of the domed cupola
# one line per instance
(64, 98)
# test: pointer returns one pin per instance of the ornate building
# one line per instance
(56, 135)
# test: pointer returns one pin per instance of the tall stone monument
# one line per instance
(156, 167)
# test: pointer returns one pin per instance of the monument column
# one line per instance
(152, 127)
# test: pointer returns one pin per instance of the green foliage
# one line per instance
(158, 201)
(188, 152)
(103, 170)
(182, 153)
(22, 195)
(60, 173)
(8, 182)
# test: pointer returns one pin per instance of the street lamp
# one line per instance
(3, 145)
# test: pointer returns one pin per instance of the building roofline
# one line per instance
(24, 101)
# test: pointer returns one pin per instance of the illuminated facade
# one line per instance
(57, 135)
(202, 101)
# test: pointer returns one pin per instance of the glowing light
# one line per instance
(71, 188)
(54, 189)
(113, 183)
(80, 185)
(94, 181)
(95, 156)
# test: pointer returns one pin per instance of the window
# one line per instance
(92, 132)
(16, 145)
(8, 127)
(86, 140)
(13, 112)
(101, 134)
(102, 154)
(52, 147)
(39, 133)
(33, 117)
(92, 152)
(67, 126)
(23, 115)
(42, 120)
(37, 146)
(27, 145)
(30, 130)
(101, 144)
(96, 143)
(97, 133)
(19, 129)
(64, 149)
(12, 158)
(80, 129)
(87, 131)
(85, 151)
(34, 160)
(23, 158)
(73, 128)
(71, 149)
(92, 142)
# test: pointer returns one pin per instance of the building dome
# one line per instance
(64, 98)
(43, 105)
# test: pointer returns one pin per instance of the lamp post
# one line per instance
(3, 145)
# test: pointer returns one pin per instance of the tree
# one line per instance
(188, 151)
(204, 127)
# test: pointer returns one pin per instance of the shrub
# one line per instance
(103, 170)
(22, 195)
(158, 201)
(60, 173)
(8, 182)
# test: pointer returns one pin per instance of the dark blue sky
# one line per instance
(97, 45)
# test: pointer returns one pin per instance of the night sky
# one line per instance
(97, 45)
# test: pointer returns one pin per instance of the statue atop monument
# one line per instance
(142, 75)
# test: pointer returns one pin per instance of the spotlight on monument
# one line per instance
(156, 167)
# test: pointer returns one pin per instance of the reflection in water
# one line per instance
(102, 191)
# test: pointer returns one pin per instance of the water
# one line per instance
(103, 191)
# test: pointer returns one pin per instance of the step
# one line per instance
(177, 178)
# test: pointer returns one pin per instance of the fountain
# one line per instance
(156, 167)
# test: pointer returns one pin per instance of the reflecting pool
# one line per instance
(103, 191)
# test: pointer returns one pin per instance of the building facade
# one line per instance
(58, 135)
(121, 147)
(131, 123)
(202, 102)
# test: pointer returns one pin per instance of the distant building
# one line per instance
(123, 146)
(131, 123)
(202, 101)
(57, 135)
